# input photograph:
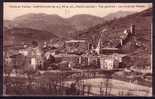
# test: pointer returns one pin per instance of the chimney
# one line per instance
(132, 29)
(121, 41)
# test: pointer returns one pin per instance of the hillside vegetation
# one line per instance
(115, 28)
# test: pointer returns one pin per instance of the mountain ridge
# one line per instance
(62, 27)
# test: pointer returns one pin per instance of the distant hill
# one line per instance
(8, 38)
(84, 21)
(8, 24)
(117, 15)
(61, 27)
(19, 35)
(50, 23)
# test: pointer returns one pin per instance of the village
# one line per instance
(77, 68)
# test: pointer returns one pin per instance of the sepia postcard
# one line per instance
(77, 49)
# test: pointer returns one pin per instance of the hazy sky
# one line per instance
(12, 10)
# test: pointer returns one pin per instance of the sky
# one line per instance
(13, 10)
